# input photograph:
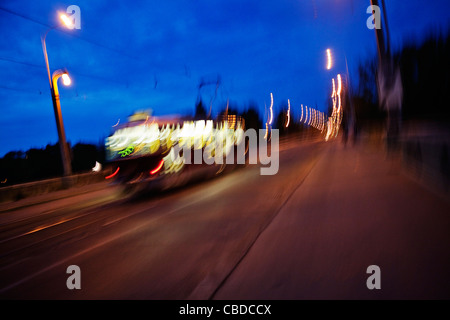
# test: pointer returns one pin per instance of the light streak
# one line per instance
(158, 167)
(334, 88)
(149, 138)
(315, 119)
(329, 59)
(310, 116)
(288, 114)
(339, 84)
(271, 110)
(116, 123)
(306, 111)
(333, 95)
(112, 175)
(301, 118)
(322, 119)
(129, 150)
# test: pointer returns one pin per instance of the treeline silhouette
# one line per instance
(425, 71)
(37, 164)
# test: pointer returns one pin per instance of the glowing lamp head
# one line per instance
(66, 79)
(66, 20)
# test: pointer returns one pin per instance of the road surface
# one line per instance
(308, 232)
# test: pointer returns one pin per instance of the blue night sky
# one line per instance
(133, 55)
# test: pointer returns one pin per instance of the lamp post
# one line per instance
(65, 155)
(383, 38)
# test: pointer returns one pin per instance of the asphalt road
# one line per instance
(357, 208)
(308, 232)
(180, 244)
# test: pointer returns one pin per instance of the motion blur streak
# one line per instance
(329, 64)
(301, 118)
(271, 108)
(112, 175)
(288, 114)
(158, 167)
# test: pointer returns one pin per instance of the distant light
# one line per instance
(329, 59)
(66, 79)
(97, 167)
(66, 20)
(306, 112)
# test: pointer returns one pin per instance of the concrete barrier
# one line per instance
(428, 159)
(25, 190)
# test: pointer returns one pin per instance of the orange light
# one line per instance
(112, 175)
(158, 167)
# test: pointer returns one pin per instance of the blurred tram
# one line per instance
(162, 152)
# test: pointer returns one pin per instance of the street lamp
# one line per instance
(58, 116)
(65, 156)
(66, 20)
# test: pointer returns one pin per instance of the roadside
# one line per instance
(38, 189)
(355, 209)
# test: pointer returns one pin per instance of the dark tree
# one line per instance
(252, 119)
(200, 111)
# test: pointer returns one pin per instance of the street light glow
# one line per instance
(66, 20)
(66, 79)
